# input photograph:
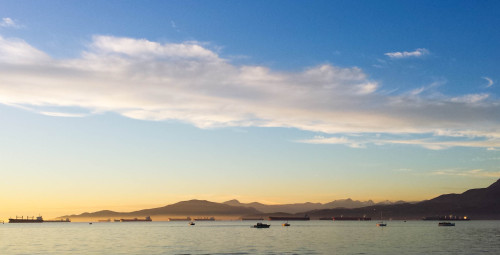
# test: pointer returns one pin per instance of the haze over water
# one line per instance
(236, 237)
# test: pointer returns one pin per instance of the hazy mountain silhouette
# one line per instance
(184, 208)
(199, 207)
(288, 208)
(303, 207)
(481, 203)
(348, 203)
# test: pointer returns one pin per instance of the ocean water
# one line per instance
(236, 237)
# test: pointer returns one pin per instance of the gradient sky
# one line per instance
(126, 105)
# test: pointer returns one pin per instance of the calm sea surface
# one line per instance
(236, 237)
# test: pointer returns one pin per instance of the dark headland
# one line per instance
(477, 204)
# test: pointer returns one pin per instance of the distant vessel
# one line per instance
(252, 218)
(60, 220)
(136, 219)
(205, 219)
(191, 223)
(450, 217)
(286, 224)
(179, 219)
(352, 218)
(38, 219)
(287, 218)
(381, 223)
(446, 224)
(261, 225)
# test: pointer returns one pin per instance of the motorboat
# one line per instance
(446, 224)
(261, 225)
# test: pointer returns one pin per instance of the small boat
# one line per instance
(446, 224)
(191, 223)
(286, 224)
(381, 223)
(261, 225)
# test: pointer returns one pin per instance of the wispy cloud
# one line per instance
(333, 140)
(468, 173)
(60, 114)
(188, 82)
(439, 141)
(489, 80)
(408, 54)
(8, 22)
(174, 26)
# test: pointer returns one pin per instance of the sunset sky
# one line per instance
(126, 105)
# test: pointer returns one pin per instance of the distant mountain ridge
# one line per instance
(303, 207)
(183, 208)
(228, 208)
(483, 203)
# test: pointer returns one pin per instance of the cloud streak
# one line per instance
(8, 22)
(187, 82)
(405, 54)
(436, 142)
(490, 82)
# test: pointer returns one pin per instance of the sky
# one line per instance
(126, 105)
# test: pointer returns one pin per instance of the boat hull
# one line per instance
(25, 221)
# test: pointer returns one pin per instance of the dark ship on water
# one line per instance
(32, 219)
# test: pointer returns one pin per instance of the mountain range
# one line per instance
(304, 207)
(481, 203)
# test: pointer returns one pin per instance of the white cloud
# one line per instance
(471, 98)
(8, 22)
(333, 140)
(15, 51)
(405, 54)
(62, 114)
(489, 80)
(187, 82)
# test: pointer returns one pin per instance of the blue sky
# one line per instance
(127, 104)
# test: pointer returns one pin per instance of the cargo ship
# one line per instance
(38, 219)
(252, 218)
(61, 220)
(287, 218)
(136, 219)
(179, 219)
